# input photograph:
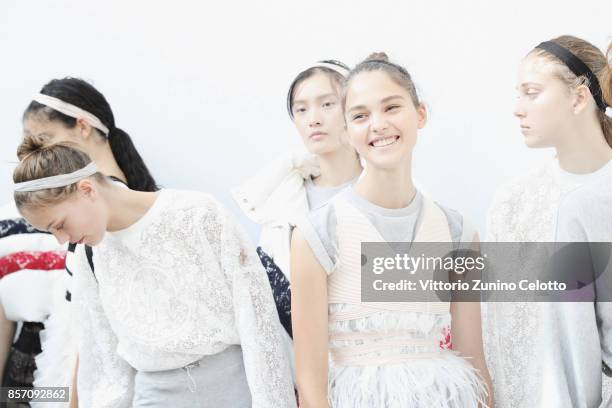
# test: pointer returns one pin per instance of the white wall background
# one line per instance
(200, 86)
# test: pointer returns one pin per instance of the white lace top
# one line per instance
(539, 354)
(180, 283)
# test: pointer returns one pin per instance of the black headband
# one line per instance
(578, 67)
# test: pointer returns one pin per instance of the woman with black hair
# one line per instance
(295, 183)
(72, 110)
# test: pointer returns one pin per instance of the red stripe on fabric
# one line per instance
(45, 261)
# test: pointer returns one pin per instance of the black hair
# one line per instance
(336, 76)
(82, 94)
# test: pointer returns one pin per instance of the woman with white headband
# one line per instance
(294, 184)
(70, 110)
(178, 311)
(550, 354)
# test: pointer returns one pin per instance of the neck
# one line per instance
(126, 206)
(387, 188)
(106, 163)
(338, 167)
(586, 153)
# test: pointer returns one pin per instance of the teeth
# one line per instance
(384, 142)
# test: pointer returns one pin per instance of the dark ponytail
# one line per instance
(83, 95)
(136, 172)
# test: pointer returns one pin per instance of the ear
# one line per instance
(422, 116)
(88, 189)
(582, 94)
(84, 129)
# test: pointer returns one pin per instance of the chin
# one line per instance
(385, 164)
(536, 143)
(320, 148)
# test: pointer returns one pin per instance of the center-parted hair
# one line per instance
(336, 77)
(379, 61)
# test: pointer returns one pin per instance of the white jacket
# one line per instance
(275, 198)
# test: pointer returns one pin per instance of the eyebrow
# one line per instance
(327, 95)
(382, 101)
(526, 84)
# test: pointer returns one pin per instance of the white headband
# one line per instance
(70, 110)
(334, 67)
(61, 180)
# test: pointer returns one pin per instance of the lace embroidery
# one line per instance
(185, 285)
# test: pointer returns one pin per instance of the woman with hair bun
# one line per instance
(351, 353)
(174, 309)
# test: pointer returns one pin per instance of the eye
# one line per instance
(392, 108)
(299, 110)
(358, 116)
(328, 104)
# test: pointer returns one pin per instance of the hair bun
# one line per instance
(377, 56)
(29, 145)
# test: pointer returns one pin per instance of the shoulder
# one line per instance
(190, 213)
(522, 187)
(198, 202)
(462, 230)
(276, 190)
(321, 217)
(455, 222)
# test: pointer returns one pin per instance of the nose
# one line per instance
(314, 120)
(519, 110)
(379, 124)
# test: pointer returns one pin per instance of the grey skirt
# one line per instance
(218, 380)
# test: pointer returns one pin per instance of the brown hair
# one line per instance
(597, 62)
(379, 61)
(38, 161)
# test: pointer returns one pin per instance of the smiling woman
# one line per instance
(354, 354)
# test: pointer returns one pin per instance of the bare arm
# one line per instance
(309, 319)
(74, 397)
(467, 335)
(7, 332)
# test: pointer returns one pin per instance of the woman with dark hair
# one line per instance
(294, 184)
(353, 353)
(72, 110)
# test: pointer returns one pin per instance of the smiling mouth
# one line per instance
(385, 141)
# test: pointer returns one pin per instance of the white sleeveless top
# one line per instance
(387, 354)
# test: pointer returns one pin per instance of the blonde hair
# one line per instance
(597, 62)
(38, 160)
